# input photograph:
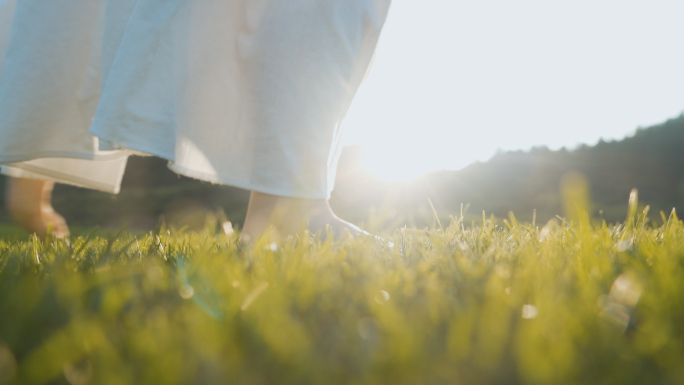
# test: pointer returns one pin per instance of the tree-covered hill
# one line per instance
(652, 161)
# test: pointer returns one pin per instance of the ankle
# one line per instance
(29, 205)
(25, 198)
(283, 215)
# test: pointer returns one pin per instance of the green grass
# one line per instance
(569, 302)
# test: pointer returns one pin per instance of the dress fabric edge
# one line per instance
(23, 170)
(181, 169)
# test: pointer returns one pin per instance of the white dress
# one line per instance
(248, 93)
(49, 88)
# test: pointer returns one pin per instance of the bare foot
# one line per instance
(338, 227)
(28, 202)
(287, 216)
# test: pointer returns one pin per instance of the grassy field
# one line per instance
(573, 301)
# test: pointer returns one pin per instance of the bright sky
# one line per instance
(453, 81)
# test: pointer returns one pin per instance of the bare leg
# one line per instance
(290, 215)
(28, 202)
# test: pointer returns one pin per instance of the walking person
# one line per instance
(247, 93)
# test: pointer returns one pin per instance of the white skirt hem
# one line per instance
(178, 168)
(31, 172)
(63, 154)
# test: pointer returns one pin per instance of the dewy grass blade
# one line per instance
(479, 304)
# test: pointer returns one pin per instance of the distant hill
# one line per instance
(652, 161)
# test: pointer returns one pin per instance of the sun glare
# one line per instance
(409, 159)
(451, 86)
(387, 168)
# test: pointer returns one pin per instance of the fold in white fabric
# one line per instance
(49, 89)
(249, 93)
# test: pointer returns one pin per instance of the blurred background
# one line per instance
(651, 160)
(482, 104)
